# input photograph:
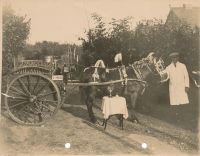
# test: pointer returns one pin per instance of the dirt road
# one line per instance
(85, 138)
(70, 125)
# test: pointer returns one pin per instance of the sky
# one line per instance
(64, 21)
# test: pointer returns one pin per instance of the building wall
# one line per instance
(172, 19)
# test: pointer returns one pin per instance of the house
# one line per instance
(185, 14)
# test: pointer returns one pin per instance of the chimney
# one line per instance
(187, 6)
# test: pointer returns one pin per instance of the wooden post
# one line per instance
(0, 55)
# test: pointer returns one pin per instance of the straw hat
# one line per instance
(174, 54)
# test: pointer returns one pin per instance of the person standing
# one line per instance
(178, 81)
(65, 73)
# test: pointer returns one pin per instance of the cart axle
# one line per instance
(32, 98)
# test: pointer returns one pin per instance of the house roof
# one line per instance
(190, 15)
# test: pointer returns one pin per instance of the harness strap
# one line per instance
(98, 64)
(137, 72)
(120, 74)
(123, 75)
(95, 76)
(149, 68)
(144, 87)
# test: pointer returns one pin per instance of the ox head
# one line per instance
(99, 71)
(157, 67)
(156, 63)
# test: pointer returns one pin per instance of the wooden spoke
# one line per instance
(42, 88)
(17, 90)
(21, 109)
(18, 98)
(39, 110)
(27, 114)
(45, 106)
(43, 95)
(17, 104)
(16, 93)
(49, 101)
(28, 81)
(32, 110)
(43, 103)
(38, 79)
(24, 87)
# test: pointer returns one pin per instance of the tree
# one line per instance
(103, 42)
(151, 35)
(15, 32)
(94, 44)
(122, 38)
(39, 50)
(155, 35)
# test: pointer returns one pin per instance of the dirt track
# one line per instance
(71, 125)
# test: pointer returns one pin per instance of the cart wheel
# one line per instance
(31, 99)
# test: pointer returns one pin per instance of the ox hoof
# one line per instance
(135, 121)
(96, 122)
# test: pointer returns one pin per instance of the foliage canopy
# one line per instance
(15, 33)
(104, 41)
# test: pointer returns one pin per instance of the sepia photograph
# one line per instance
(99, 77)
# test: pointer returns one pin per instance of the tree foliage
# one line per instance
(104, 41)
(15, 32)
(47, 48)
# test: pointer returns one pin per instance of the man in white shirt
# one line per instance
(178, 81)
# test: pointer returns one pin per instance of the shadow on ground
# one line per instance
(155, 103)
